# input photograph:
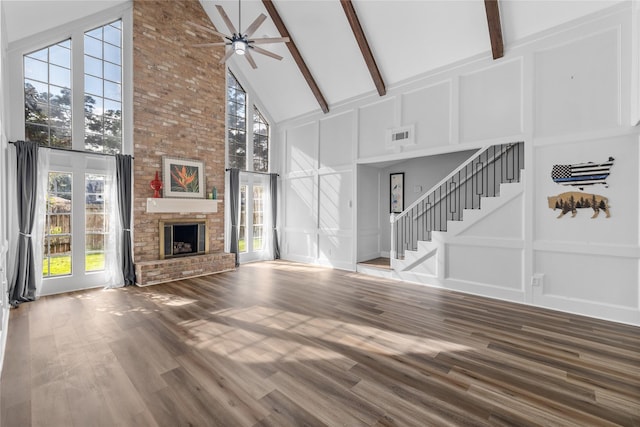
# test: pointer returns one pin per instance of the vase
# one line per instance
(156, 185)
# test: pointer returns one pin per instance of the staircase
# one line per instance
(491, 172)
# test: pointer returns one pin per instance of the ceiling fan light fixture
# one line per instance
(240, 47)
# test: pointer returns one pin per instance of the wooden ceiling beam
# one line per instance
(352, 17)
(495, 28)
(277, 20)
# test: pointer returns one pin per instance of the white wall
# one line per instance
(318, 192)
(571, 94)
(371, 213)
(4, 308)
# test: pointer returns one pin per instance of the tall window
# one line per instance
(247, 136)
(74, 98)
(47, 95)
(236, 124)
(102, 88)
(260, 142)
(57, 233)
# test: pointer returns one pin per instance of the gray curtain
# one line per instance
(274, 213)
(123, 182)
(234, 208)
(23, 285)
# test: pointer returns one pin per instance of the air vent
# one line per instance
(399, 137)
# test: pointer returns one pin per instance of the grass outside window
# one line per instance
(61, 265)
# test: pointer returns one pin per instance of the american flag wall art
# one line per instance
(582, 174)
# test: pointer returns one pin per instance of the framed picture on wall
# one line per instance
(183, 178)
(396, 181)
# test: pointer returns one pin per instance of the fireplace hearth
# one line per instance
(183, 238)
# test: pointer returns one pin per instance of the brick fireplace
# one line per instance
(179, 109)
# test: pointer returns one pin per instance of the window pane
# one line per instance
(60, 137)
(60, 96)
(60, 56)
(93, 104)
(112, 144)
(97, 33)
(112, 72)
(112, 35)
(94, 222)
(93, 85)
(114, 106)
(36, 133)
(94, 261)
(93, 142)
(112, 125)
(112, 53)
(60, 76)
(60, 184)
(93, 123)
(59, 258)
(39, 89)
(57, 241)
(42, 55)
(112, 90)
(34, 69)
(92, 66)
(92, 47)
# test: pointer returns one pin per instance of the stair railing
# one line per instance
(479, 176)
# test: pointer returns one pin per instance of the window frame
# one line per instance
(83, 161)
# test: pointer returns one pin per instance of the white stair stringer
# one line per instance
(508, 191)
(427, 263)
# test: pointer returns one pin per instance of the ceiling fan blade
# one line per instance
(266, 52)
(224, 36)
(210, 44)
(226, 19)
(226, 56)
(270, 40)
(250, 60)
(254, 25)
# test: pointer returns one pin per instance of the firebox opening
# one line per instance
(182, 239)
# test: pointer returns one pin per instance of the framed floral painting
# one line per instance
(183, 178)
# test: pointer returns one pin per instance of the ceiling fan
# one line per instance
(241, 43)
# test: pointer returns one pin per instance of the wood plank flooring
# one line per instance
(285, 344)
(378, 262)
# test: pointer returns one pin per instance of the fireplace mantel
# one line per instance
(168, 205)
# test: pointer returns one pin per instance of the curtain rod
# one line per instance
(261, 173)
(71, 150)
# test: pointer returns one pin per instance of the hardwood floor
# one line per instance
(378, 262)
(277, 344)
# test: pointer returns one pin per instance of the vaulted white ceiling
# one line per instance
(407, 38)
